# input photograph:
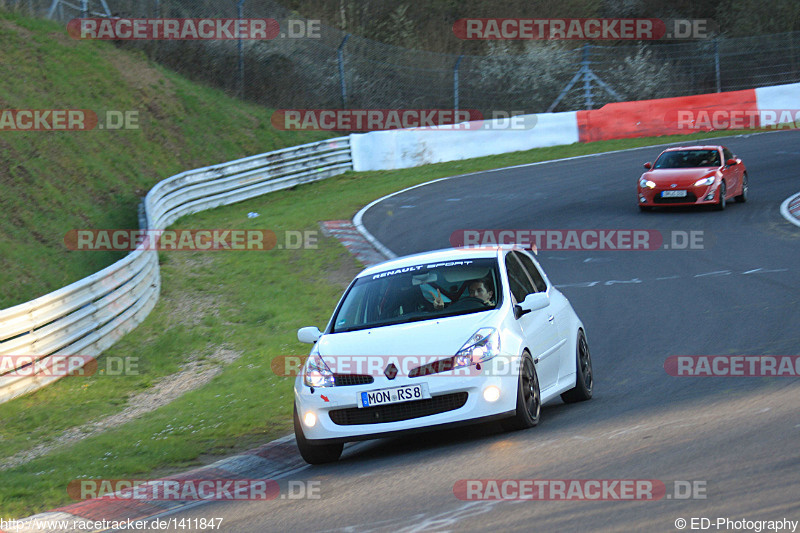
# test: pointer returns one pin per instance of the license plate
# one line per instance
(673, 194)
(395, 395)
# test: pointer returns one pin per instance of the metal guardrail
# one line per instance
(87, 317)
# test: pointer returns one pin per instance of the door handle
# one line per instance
(550, 318)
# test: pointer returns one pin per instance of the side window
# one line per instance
(518, 280)
(534, 273)
(727, 154)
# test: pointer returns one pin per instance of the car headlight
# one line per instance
(647, 183)
(482, 346)
(316, 373)
(705, 181)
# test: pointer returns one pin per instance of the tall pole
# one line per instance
(240, 12)
(340, 56)
(455, 82)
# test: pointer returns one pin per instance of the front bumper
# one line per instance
(455, 399)
(706, 194)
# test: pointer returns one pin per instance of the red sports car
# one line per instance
(693, 175)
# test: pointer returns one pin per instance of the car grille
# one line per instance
(690, 197)
(344, 380)
(395, 412)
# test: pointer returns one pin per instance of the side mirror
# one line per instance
(532, 302)
(309, 335)
(648, 165)
(731, 162)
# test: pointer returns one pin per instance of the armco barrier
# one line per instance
(88, 316)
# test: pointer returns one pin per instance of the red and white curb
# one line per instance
(790, 209)
(354, 240)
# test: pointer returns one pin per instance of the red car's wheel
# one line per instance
(722, 201)
(743, 197)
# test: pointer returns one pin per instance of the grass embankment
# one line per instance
(231, 311)
(53, 181)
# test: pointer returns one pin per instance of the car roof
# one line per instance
(436, 256)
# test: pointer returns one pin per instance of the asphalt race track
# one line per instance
(736, 437)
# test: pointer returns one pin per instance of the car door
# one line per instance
(558, 313)
(731, 174)
(538, 329)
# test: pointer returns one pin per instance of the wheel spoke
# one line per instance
(586, 364)
(530, 389)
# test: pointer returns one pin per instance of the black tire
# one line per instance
(742, 198)
(584, 379)
(722, 202)
(315, 454)
(529, 399)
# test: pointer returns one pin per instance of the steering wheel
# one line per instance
(467, 302)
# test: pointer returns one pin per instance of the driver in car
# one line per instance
(478, 288)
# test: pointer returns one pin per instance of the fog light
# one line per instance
(710, 196)
(310, 419)
(642, 199)
(491, 394)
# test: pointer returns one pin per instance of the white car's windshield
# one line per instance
(420, 292)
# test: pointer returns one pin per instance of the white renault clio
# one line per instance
(437, 339)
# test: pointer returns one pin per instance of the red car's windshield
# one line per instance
(688, 159)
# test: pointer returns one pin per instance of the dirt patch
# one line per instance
(193, 375)
(22, 32)
(343, 271)
(139, 74)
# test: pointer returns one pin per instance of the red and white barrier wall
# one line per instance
(405, 148)
(752, 108)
